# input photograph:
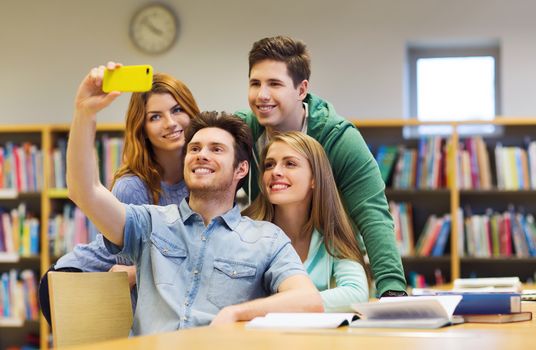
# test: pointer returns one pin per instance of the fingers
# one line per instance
(111, 65)
(110, 97)
(96, 74)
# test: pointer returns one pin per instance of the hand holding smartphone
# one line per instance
(128, 79)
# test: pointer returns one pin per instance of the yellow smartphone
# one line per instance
(128, 79)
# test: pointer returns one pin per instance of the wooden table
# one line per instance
(473, 336)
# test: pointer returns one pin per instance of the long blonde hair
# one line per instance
(138, 154)
(328, 214)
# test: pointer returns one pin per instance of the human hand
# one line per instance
(130, 270)
(90, 98)
(225, 316)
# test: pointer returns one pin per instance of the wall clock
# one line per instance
(154, 28)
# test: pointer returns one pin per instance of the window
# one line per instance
(453, 84)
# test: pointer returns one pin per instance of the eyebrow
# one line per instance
(284, 158)
(210, 144)
(159, 111)
(272, 80)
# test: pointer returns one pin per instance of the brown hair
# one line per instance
(283, 49)
(231, 123)
(138, 153)
(328, 214)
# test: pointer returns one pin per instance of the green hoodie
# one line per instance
(359, 181)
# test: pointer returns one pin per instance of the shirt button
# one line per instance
(196, 272)
(234, 273)
(186, 303)
(164, 250)
(203, 238)
(185, 318)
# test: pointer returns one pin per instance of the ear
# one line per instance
(303, 89)
(241, 170)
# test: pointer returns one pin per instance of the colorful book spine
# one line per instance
(442, 238)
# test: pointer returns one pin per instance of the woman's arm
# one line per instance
(351, 286)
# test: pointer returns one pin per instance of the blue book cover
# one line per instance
(528, 235)
(442, 237)
(5, 295)
(488, 303)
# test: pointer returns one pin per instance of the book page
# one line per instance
(302, 320)
(410, 307)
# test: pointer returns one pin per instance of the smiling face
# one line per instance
(209, 162)
(273, 98)
(165, 123)
(287, 177)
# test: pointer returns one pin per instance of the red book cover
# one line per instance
(506, 236)
(16, 156)
(1, 167)
(429, 244)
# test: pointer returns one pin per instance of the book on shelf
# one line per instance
(386, 158)
(19, 232)
(438, 248)
(408, 312)
(531, 150)
(20, 167)
(495, 234)
(434, 236)
(67, 229)
(18, 295)
(515, 167)
(403, 226)
(301, 320)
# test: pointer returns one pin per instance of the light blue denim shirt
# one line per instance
(187, 271)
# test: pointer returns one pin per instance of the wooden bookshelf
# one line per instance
(43, 204)
(385, 131)
(447, 200)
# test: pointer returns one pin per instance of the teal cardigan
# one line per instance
(341, 282)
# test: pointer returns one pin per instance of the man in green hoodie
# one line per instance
(279, 70)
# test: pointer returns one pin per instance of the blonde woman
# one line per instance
(299, 194)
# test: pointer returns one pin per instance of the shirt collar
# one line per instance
(231, 218)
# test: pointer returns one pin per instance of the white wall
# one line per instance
(357, 47)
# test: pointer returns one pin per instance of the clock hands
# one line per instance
(152, 27)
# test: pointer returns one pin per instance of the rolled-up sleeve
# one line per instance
(284, 263)
(137, 230)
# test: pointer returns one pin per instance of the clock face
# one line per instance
(154, 29)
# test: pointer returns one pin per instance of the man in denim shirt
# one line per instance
(200, 262)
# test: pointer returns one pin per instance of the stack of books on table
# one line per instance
(487, 300)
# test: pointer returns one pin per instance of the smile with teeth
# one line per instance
(203, 171)
(265, 108)
(279, 187)
(173, 134)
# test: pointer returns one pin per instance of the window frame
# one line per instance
(415, 52)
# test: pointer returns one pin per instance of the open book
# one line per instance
(408, 312)
(302, 320)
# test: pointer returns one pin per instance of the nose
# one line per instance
(277, 170)
(263, 93)
(169, 121)
(202, 154)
